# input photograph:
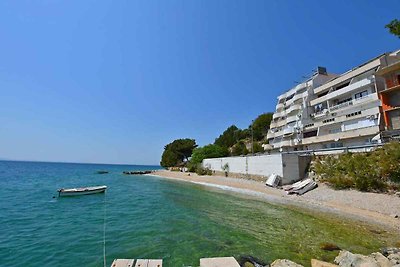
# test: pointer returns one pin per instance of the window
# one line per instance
(289, 97)
(310, 134)
(335, 145)
(322, 94)
(343, 101)
(342, 86)
(336, 130)
(361, 94)
(319, 107)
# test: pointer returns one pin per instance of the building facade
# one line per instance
(292, 112)
(345, 110)
(390, 96)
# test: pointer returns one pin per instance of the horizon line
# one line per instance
(70, 162)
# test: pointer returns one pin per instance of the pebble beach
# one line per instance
(373, 208)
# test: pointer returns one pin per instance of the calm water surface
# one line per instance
(149, 217)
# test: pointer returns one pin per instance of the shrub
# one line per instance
(373, 171)
(203, 171)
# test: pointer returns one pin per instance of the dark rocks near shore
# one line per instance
(249, 261)
(329, 247)
(137, 172)
(388, 257)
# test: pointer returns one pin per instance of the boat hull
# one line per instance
(81, 191)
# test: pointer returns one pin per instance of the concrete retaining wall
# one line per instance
(291, 167)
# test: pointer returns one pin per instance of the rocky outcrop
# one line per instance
(393, 255)
(348, 259)
(318, 263)
(388, 257)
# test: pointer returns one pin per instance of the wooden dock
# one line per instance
(136, 263)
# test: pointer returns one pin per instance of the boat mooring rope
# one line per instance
(104, 231)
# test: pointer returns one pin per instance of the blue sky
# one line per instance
(114, 81)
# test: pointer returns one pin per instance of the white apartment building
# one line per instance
(291, 111)
(342, 111)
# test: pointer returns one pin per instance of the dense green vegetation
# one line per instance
(394, 27)
(261, 126)
(378, 170)
(208, 151)
(177, 152)
(232, 142)
(238, 141)
(231, 136)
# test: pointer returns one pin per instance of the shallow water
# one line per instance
(150, 217)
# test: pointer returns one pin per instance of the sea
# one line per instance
(143, 216)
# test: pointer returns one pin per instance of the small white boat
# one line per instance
(81, 191)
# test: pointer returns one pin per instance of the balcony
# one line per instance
(293, 118)
(280, 106)
(283, 143)
(320, 114)
(270, 135)
(354, 102)
(294, 107)
(289, 130)
(300, 96)
(342, 105)
(343, 91)
(280, 123)
(372, 130)
(279, 114)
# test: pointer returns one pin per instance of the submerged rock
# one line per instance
(249, 261)
(329, 247)
(284, 263)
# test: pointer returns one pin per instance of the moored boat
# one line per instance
(81, 191)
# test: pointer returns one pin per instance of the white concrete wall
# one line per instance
(257, 165)
(289, 166)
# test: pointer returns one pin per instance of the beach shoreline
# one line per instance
(370, 208)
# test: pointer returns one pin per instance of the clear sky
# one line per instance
(114, 81)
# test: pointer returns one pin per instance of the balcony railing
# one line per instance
(293, 107)
(319, 114)
(342, 105)
(288, 130)
(392, 82)
(279, 106)
(344, 90)
(290, 119)
(351, 103)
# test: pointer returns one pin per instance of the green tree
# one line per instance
(239, 149)
(208, 151)
(394, 27)
(177, 152)
(261, 126)
(257, 147)
(229, 137)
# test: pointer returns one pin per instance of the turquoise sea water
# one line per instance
(150, 217)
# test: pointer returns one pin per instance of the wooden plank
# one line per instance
(219, 262)
(155, 263)
(142, 263)
(123, 263)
